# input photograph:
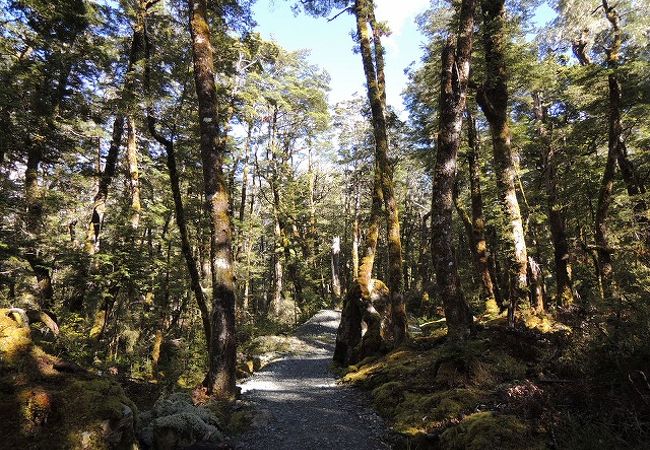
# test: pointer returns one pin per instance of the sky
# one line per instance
(331, 43)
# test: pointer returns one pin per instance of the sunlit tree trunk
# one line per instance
(453, 94)
(493, 100)
(335, 261)
(372, 55)
(356, 232)
(220, 379)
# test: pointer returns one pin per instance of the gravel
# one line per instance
(299, 405)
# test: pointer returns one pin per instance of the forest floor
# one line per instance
(298, 404)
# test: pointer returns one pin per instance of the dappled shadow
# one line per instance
(303, 406)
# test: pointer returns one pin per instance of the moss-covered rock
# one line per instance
(175, 422)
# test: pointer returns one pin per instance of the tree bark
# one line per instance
(373, 66)
(134, 181)
(453, 94)
(478, 220)
(356, 231)
(34, 227)
(220, 379)
(556, 219)
(493, 100)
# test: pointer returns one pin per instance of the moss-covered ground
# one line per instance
(524, 388)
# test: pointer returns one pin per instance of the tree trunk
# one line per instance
(186, 247)
(633, 183)
(563, 279)
(220, 378)
(478, 220)
(375, 81)
(493, 100)
(34, 227)
(336, 281)
(134, 182)
(99, 204)
(453, 93)
(356, 231)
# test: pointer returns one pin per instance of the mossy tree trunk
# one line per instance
(136, 54)
(372, 55)
(453, 94)
(475, 225)
(220, 379)
(556, 219)
(493, 100)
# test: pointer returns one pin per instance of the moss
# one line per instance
(543, 323)
(489, 430)
(387, 396)
(421, 413)
(239, 421)
(54, 409)
(491, 308)
(15, 340)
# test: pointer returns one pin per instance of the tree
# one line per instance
(220, 379)
(492, 97)
(453, 95)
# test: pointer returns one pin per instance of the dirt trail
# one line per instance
(299, 406)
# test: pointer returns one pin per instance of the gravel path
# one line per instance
(299, 406)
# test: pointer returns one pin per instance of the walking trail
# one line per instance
(299, 405)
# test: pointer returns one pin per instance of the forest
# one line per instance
(185, 216)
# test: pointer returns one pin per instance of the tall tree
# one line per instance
(220, 379)
(556, 219)
(475, 223)
(55, 28)
(493, 100)
(372, 55)
(454, 76)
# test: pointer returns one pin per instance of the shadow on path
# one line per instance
(299, 405)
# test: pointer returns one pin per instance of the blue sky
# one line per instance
(331, 45)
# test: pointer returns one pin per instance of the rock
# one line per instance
(181, 430)
(175, 422)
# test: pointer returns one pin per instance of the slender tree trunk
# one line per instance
(375, 81)
(453, 86)
(244, 178)
(356, 232)
(99, 204)
(633, 183)
(132, 161)
(563, 279)
(220, 378)
(186, 247)
(493, 100)
(335, 257)
(478, 220)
